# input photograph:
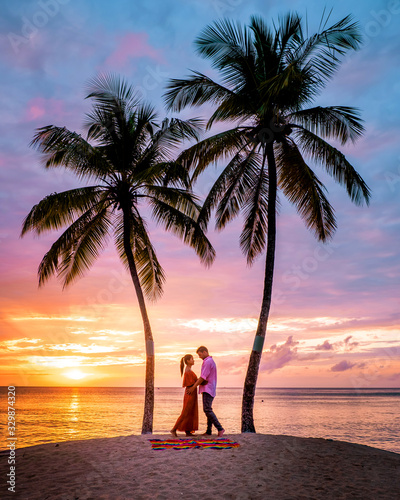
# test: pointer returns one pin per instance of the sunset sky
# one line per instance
(335, 310)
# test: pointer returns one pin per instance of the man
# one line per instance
(208, 385)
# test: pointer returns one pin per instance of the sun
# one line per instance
(75, 374)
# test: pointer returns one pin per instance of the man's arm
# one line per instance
(193, 387)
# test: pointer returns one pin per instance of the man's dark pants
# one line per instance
(211, 417)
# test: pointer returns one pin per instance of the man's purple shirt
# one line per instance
(209, 373)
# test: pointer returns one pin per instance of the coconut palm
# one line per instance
(269, 77)
(128, 158)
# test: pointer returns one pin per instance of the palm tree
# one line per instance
(129, 158)
(268, 77)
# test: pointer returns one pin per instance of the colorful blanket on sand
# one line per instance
(184, 444)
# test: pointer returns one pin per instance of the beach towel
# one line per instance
(184, 444)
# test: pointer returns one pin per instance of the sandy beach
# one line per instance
(263, 467)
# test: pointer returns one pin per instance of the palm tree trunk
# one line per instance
(147, 425)
(255, 356)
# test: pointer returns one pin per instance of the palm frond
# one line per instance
(172, 174)
(223, 41)
(288, 34)
(61, 147)
(322, 52)
(59, 209)
(139, 127)
(144, 115)
(195, 90)
(234, 184)
(185, 227)
(337, 122)
(174, 131)
(112, 91)
(287, 90)
(208, 151)
(255, 213)
(302, 188)
(150, 272)
(77, 247)
(181, 199)
(267, 60)
(335, 163)
(236, 107)
(230, 47)
(87, 248)
(100, 125)
(162, 148)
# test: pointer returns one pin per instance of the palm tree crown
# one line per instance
(130, 157)
(268, 77)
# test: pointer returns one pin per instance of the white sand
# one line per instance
(263, 467)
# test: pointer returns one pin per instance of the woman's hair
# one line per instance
(184, 361)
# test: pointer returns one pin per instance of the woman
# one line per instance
(189, 418)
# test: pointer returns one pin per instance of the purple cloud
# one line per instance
(349, 345)
(326, 346)
(345, 345)
(342, 366)
(280, 355)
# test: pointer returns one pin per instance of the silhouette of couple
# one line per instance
(188, 420)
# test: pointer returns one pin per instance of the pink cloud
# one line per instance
(342, 366)
(346, 345)
(326, 346)
(39, 106)
(130, 46)
(350, 345)
(280, 355)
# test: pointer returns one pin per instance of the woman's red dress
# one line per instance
(189, 418)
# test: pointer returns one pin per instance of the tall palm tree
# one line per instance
(129, 159)
(268, 78)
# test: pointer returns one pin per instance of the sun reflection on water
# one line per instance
(74, 409)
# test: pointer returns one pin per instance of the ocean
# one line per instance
(55, 414)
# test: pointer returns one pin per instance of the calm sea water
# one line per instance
(47, 414)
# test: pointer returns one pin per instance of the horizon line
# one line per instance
(175, 387)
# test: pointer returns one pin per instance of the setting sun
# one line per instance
(75, 374)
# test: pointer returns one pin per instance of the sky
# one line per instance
(335, 309)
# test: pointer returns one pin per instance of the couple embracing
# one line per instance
(188, 420)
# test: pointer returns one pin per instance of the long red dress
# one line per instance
(189, 418)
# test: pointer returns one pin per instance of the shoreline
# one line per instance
(264, 466)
